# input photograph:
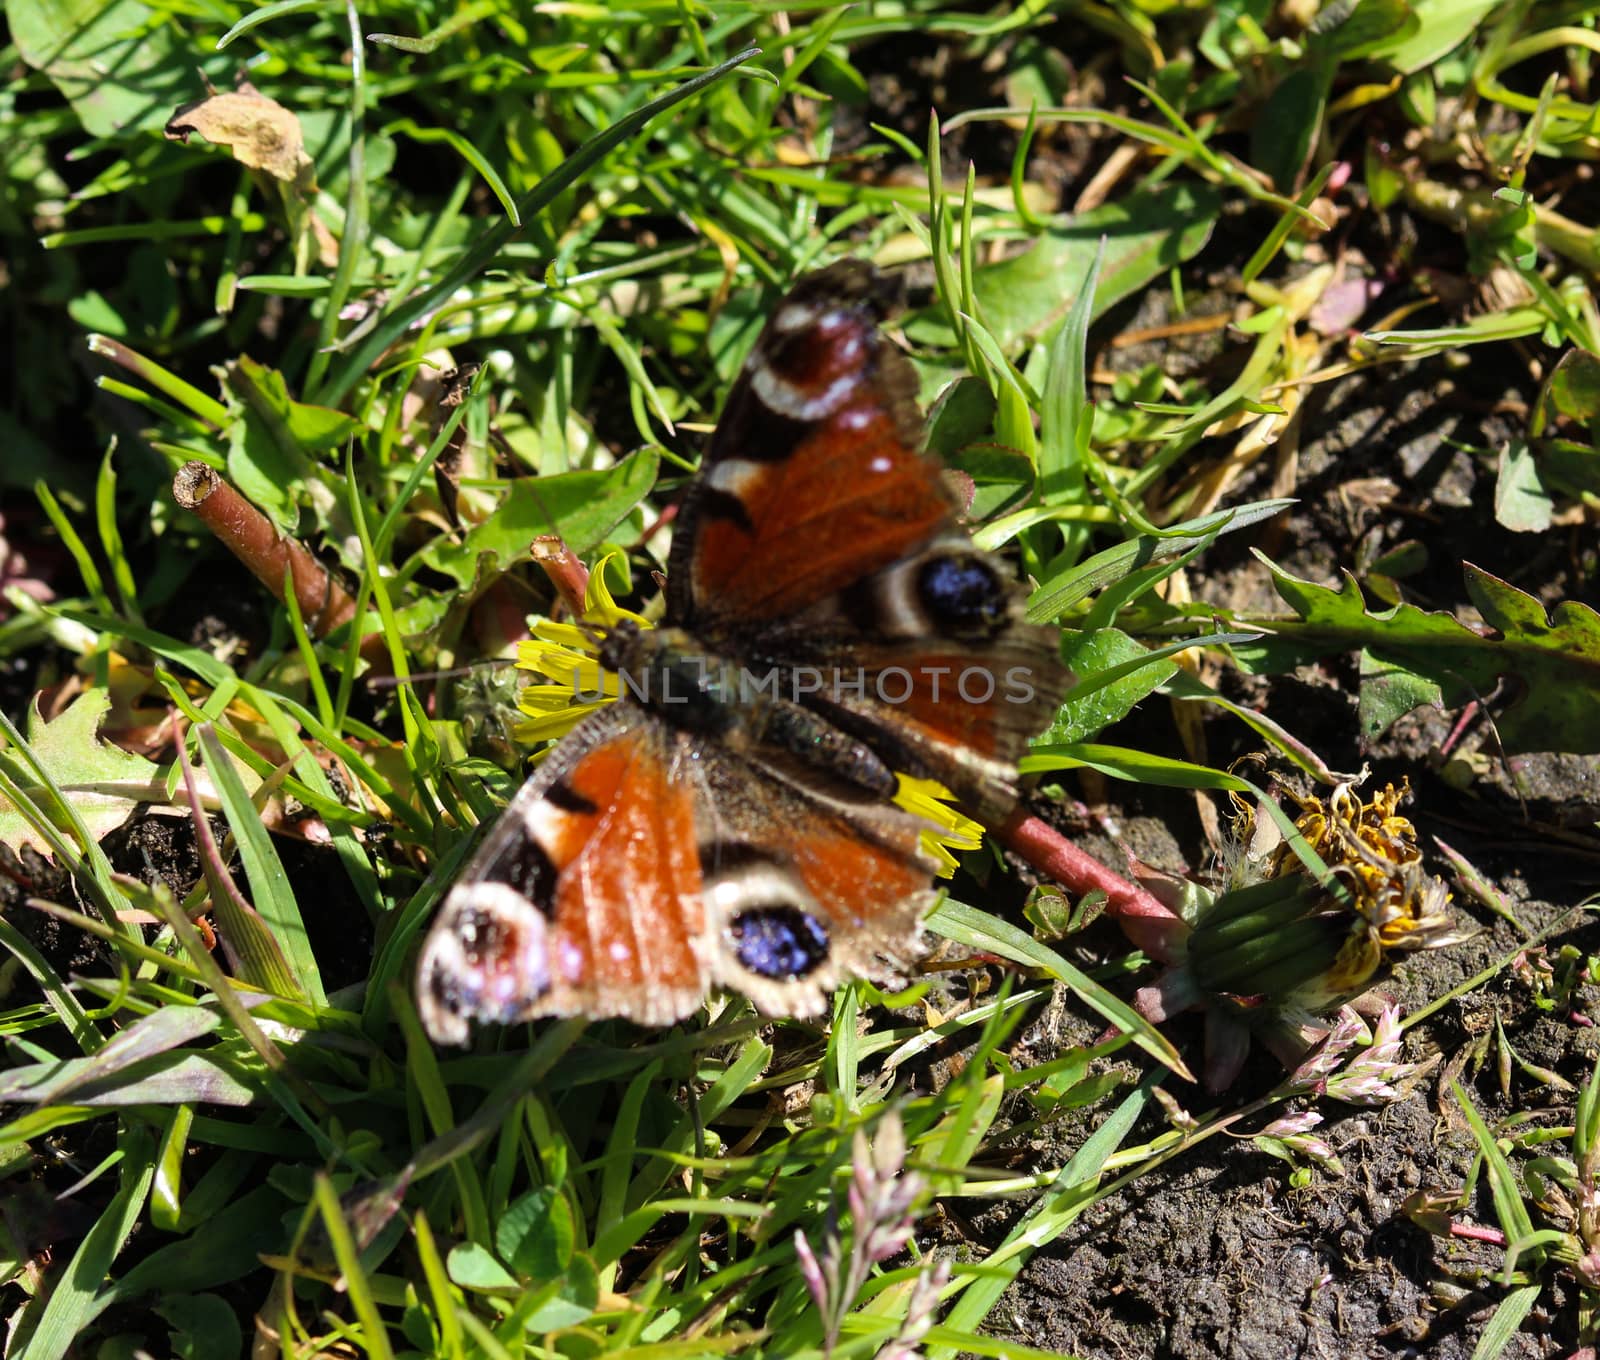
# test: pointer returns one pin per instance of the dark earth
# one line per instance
(1216, 1254)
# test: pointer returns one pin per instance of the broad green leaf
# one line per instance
(568, 1300)
(1570, 467)
(1001, 479)
(534, 1234)
(962, 414)
(583, 507)
(1390, 691)
(267, 445)
(1282, 136)
(166, 1191)
(1441, 24)
(1022, 299)
(961, 431)
(1073, 1090)
(1346, 32)
(204, 1326)
(217, 1252)
(473, 1266)
(124, 66)
(103, 782)
(1521, 502)
(1086, 711)
(1553, 657)
(1573, 389)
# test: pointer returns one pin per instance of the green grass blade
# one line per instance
(1058, 594)
(978, 930)
(472, 262)
(77, 1298)
(273, 898)
(1506, 1322)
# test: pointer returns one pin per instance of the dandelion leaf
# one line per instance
(102, 782)
(583, 507)
(1550, 660)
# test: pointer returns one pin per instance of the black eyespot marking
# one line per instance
(962, 593)
(778, 942)
(447, 991)
(500, 965)
(523, 864)
(730, 857)
(562, 795)
(486, 940)
(716, 504)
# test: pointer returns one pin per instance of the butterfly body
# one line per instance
(727, 821)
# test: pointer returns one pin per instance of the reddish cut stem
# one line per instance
(1048, 851)
(251, 537)
(564, 568)
(1144, 919)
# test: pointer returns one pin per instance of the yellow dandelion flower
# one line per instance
(951, 831)
(565, 657)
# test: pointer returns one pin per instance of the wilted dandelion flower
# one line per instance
(1286, 945)
(1300, 941)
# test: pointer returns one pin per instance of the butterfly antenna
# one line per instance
(454, 673)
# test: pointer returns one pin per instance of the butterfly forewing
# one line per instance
(585, 898)
(814, 478)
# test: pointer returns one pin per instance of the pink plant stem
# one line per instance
(1476, 1234)
(1468, 712)
(1143, 918)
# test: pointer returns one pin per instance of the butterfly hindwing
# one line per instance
(634, 869)
(807, 882)
(935, 662)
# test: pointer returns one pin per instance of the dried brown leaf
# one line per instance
(259, 131)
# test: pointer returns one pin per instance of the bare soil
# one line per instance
(1217, 1255)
